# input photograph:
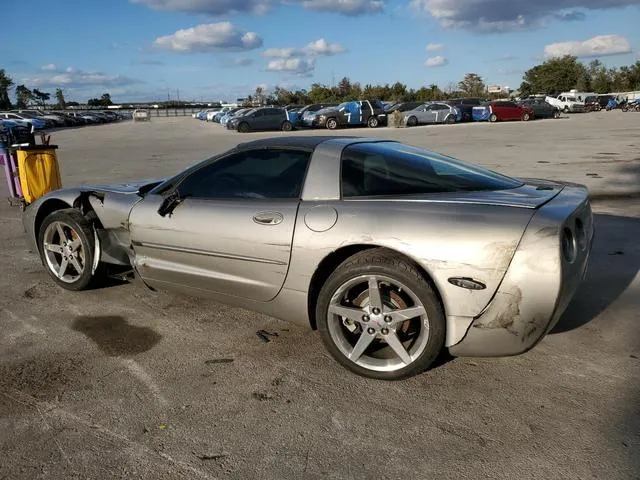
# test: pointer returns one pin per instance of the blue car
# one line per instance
(37, 123)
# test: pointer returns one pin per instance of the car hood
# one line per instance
(124, 188)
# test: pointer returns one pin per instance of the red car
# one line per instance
(503, 110)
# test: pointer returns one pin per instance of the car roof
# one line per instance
(307, 141)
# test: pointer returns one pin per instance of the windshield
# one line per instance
(391, 168)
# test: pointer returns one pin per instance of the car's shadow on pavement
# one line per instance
(613, 264)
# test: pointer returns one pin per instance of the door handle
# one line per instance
(268, 218)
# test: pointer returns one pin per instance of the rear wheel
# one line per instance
(556, 114)
(412, 121)
(378, 316)
(332, 123)
(67, 246)
(287, 126)
(243, 127)
(373, 122)
(493, 118)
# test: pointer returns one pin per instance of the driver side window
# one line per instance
(264, 173)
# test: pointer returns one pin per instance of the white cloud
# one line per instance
(238, 62)
(322, 47)
(599, 46)
(318, 48)
(346, 7)
(49, 67)
(437, 61)
(75, 78)
(505, 15)
(208, 38)
(298, 66)
(225, 7)
(432, 47)
(283, 52)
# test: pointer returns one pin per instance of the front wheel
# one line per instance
(67, 247)
(556, 114)
(526, 117)
(332, 123)
(412, 121)
(378, 316)
(566, 109)
(243, 127)
(493, 118)
(287, 126)
(373, 122)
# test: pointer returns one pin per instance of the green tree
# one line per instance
(554, 76)
(105, 100)
(62, 104)
(6, 82)
(24, 96)
(472, 85)
(41, 97)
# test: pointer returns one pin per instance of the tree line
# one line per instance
(563, 74)
(550, 77)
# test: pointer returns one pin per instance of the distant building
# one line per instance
(498, 89)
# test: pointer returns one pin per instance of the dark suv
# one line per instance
(465, 105)
(356, 113)
(266, 118)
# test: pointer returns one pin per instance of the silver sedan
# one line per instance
(431, 113)
(393, 253)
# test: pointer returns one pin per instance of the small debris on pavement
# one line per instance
(617, 252)
(218, 360)
(162, 426)
(634, 356)
(263, 335)
(215, 456)
(473, 364)
(262, 396)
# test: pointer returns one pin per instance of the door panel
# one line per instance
(215, 245)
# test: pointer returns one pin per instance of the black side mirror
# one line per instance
(169, 204)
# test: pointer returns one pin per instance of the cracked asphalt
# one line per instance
(121, 382)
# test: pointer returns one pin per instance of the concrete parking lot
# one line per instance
(121, 382)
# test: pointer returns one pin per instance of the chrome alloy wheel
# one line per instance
(63, 252)
(378, 323)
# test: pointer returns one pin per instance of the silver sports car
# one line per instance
(432, 113)
(391, 252)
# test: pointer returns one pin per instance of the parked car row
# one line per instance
(44, 120)
(374, 113)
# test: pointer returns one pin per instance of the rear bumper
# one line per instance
(540, 281)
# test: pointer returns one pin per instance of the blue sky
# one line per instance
(145, 50)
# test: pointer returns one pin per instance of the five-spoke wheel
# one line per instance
(379, 317)
(66, 242)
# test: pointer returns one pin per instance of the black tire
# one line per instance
(373, 122)
(556, 114)
(83, 229)
(493, 118)
(244, 127)
(383, 262)
(412, 121)
(451, 119)
(287, 126)
(526, 117)
(565, 109)
(332, 123)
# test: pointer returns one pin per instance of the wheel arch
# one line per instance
(81, 203)
(335, 258)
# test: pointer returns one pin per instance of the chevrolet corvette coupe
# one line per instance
(392, 252)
